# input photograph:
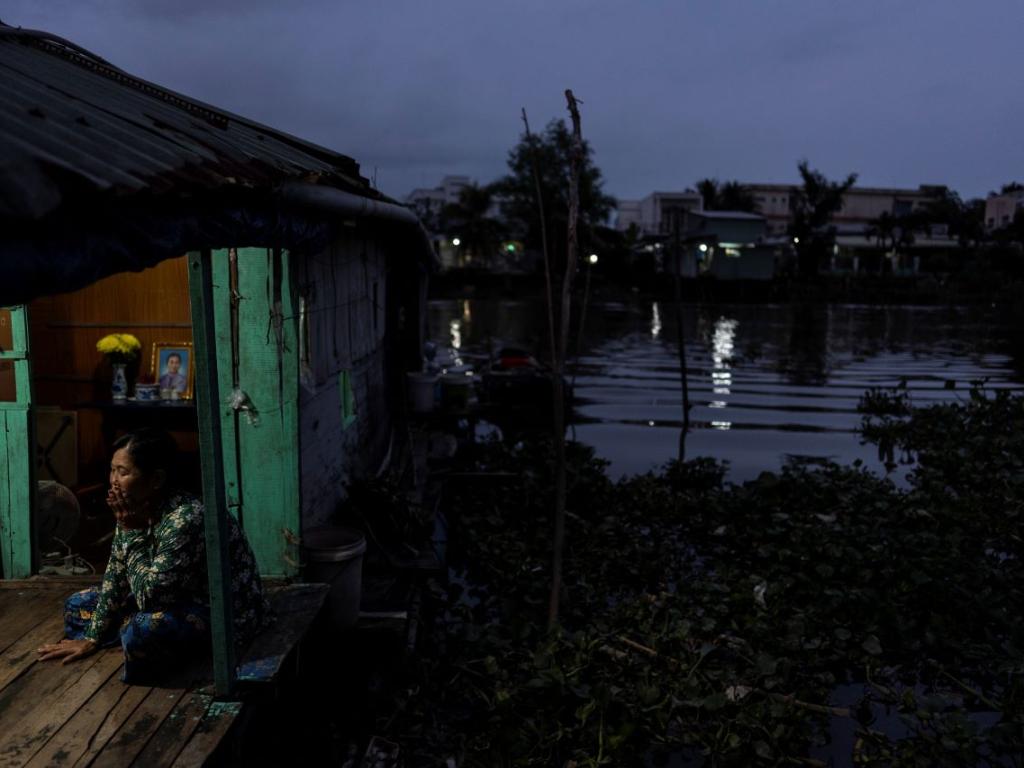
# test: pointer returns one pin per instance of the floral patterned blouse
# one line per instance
(164, 566)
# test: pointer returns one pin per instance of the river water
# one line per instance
(767, 383)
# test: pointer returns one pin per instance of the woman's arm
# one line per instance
(114, 590)
(160, 578)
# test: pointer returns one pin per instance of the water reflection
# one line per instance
(655, 321)
(768, 380)
(455, 332)
(723, 342)
(807, 361)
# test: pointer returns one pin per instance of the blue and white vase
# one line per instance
(119, 383)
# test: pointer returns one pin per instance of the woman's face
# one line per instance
(138, 486)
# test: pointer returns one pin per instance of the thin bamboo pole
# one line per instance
(558, 388)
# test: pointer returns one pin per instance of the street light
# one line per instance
(593, 258)
(796, 241)
(703, 247)
(456, 242)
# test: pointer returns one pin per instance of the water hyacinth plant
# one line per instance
(120, 348)
(820, 615)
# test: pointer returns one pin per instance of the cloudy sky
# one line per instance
(903, 92)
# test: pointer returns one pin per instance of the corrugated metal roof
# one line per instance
(72, 124)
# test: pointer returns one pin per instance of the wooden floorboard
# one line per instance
(174, 732)
(208, 734)
(20, 611)
(22, 655)
(136, 731)
(38, 682)
(23, 738)
(294, 607)
(81, 715)
(81, 738)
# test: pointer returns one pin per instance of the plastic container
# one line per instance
(421, 391)
(335, 556)
(456, 390)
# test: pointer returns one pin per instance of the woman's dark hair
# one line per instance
(151, 449)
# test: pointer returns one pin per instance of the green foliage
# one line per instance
(730, 196)
(964, 220)
(813, 206)
(718, 622)
(469, 219)
(517, 191)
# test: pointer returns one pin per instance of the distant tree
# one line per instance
(883, 231)
(469, 219)
(814, 205)
(735, 197)
(517, 191)
(1013, 186)
(971, 229)
(427, 215)
(895, 234)
(708, 189)
(730, 196)
(963, 220)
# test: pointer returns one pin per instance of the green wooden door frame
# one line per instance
(245, 332)
(211, 456)
(256, 313)
(17, 458)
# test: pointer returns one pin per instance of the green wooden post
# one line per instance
(225, 317)
(204, 337)
(268, 436)
(17, 458)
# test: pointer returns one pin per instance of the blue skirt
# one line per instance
(154, 643)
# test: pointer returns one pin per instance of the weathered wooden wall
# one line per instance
(7, 390)
(68, 371)
(343, 337)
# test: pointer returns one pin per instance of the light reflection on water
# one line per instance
(655, 320)
(722, 345)
(767, 382)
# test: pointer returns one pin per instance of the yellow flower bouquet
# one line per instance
(120, 348)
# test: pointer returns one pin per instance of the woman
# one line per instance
(154, 596)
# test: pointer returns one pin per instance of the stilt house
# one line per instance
(126, 207)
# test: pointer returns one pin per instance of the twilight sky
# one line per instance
(903, 92)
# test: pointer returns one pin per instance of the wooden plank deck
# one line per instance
(81, 714)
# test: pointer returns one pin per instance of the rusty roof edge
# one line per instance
(338, 201)
(53, 44)
(6, 30)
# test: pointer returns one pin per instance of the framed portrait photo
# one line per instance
(173, 369)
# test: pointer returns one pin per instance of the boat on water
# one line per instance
(517, 390)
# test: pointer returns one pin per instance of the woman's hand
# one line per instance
(125, 513)
(69, 650)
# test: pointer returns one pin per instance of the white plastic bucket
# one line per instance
(335, 556)
(421, 390)
(456, 390)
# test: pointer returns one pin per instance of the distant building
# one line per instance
(861, 205)
(654, 214)
(1000, 209)
(428, 202)
(727, 245)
